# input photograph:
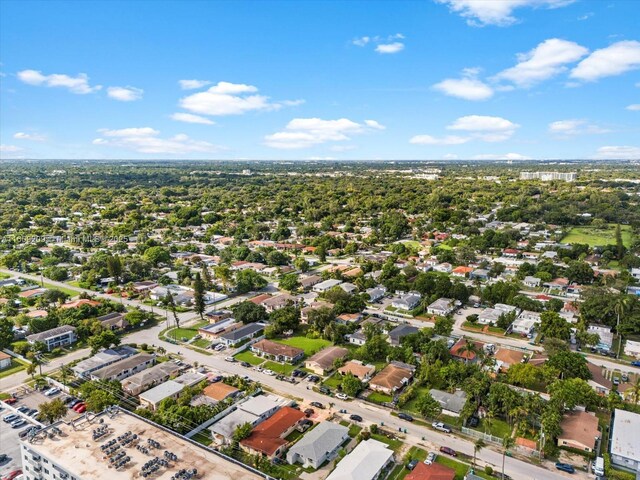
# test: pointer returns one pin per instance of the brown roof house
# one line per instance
(268, 438)
(277, 351)
(219, 391)
(505, 357)
(435, 471)
(579, 431)
(392, 378)
(322, 362)
(358, 369)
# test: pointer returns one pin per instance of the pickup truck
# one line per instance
(441, 426)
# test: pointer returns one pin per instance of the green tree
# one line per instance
(350, 385)
(619, 243)
(6, 333)
(198, 295)
(580, 272)
(249, 312)
(523, 374)
(114, 267)
(242, 431)
(428, 406)
(552, 325)
(507, 443)
(289, 282)
(157, 255)
(100, 394)
(570, 365)
(301, 264)
(52, 411)
(248, 281)
(477, 446)
(443, 326)
(104, 339)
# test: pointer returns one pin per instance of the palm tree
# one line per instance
(469, 348)
(31, 369)
(65, 371)
(623, 302)
(507, 443)
(479, 445)
(634, 392)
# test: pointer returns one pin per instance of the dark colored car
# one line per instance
(324, 390)
(309, 411)
(4, 457)
(501, 476)
(355, 418)
(412, 464)
(317, 405)
(565, 467)
(10, 401)
(405, 416)
(449, 451)
(245, 364)
(635, 363)
(473, 422)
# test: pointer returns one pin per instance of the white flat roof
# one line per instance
(363, 463)
(162, 391)
(625, 440)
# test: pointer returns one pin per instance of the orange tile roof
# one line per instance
(435, 471)
(219, 391)
(80, 302)
(580, 428)
(260, 298)
(266, 437)
(462, 270)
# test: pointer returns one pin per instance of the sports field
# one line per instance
(595, 237)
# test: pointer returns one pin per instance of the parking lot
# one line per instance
(10, 441)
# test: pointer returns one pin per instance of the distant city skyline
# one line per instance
(383, 80)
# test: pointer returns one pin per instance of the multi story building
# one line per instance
(549, 176)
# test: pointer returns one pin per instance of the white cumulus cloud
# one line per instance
(496, 12)
(506, 156)
(79, 85)
(430, 140)
(617, 152)
(308, 132)
(125, 94)
(191, 118)
(572, 127)
(635, 107)
(34, 137)
(10, 148)
(193, 84)
(148, 140)
(394, 47)
(615, 59)
(546, 60)
(485, 128)
(227, 98)
(468, 88)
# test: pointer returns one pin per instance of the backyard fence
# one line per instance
(485, 436)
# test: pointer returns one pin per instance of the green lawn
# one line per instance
(333, 381)
(309, 345)
(598, 237)
(377, 397)
(202, 343)
(15, 367)
(497, 427)
(394, 444)
(283, 368)
(68, 291)
(180, 333)
(247, 356)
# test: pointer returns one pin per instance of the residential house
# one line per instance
(349, 318)
(376, 293)
(279, 301)
(348, 287)
(102, 359)
(523, 326)
(55, 337)
(392, 378)
(505, 357)
(358, 369)
(407, 302)
(319, 445)
(252, 410)
(304, 313)
(124, 368)
(326, 285)
(5, 360)
(531, 282)
(114, 321)
(357, 338)
(397, 334)
(579, 431)
(32, 293)
(323, 362)
(443, 267)
(310, 281)
(80, 302)
(605, 335)
(624, 444)
(434, 471)
(268, 437)
(149, 378)
(461, 271)
(632, 348)
(190, 379)
(277, 351)
(215, 316)
(214, 330)
(442, 307)
(152, 398)
(242, 334)
(451, 403)
(219, 391)
(479, 274)
(144, 286)
(460, 351)
(601, 384)
(365, 462)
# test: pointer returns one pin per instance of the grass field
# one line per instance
(333, 381)
(68, 291)
(393, 443)
(201, 342)
(15, 366)
(180, 333)
(598, 237)
(249, 357)
(309, 345)
(283, 368)
(377, 397)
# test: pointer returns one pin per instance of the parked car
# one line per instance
(616, 381)
(68, 400)
(32, 412)
(245, 364)
(10, 418)
(473, 422)
(82, 408)
(501, 476)
(12, 475)
(405, 416)
(342, 396)
(317, 405)
(355, 418)
(624, 377)
(19, 423)
(430, 458)
(565, 467)
(52, 391)
(23, 409)
(309, 411)
(230, 359)
(266, 371)
(304, 425)
(324, 390)
(79, 406)
(74, 403)
(443, 427)
(412, 464)
(10, 401)
(635, 363)
(449, 451)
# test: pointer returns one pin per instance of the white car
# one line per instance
(342, 396)
(266, 371)
(52, 391)
(229, 359)
(441, 427)
(430, 458)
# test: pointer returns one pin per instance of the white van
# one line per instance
(598, 466)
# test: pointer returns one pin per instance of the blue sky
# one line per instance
(429, 79)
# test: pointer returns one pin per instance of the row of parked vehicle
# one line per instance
(75, 404)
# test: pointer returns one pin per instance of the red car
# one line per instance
(12, 475)
(10, 401)
(81, 409)
(449, 451)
